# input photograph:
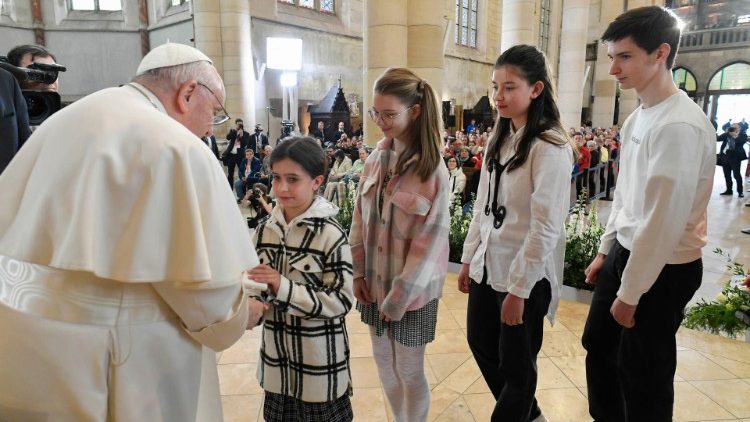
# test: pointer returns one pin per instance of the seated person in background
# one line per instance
(465, 159)
(249, 173)
(341, 165)
(352, 175)
(360, 131)
(456, 180)
(340, 132)
(259, 202)
(265, 169)
(320, 134)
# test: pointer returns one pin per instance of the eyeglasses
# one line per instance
(221, 117)
(387, 118)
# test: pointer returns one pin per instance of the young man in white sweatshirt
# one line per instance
(649, 262)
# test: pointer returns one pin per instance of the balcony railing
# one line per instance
(709, 39)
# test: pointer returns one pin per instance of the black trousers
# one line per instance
(630, 371)
(582, 181)
(732, 168)
(232, 161)
(505, 354)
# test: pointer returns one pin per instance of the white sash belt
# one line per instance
(78, 297)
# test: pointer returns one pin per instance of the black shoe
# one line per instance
(748, 205)
(746, 231)
(740, 195)
(726, 192)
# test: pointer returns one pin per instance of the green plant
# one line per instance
(459, 227)
(582, 236)
(729, 313)
(346, 207)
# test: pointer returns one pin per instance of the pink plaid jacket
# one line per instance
(403, 252)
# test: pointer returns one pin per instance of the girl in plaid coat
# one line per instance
(305, 263)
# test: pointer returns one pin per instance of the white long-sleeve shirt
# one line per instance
(530, 245)
(667, 162)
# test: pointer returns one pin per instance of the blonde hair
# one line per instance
(410, 89)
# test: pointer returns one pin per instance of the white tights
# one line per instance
(401, 371)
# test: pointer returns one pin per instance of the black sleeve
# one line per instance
(22, 116)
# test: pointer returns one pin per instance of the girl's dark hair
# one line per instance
(304, 151)
(543, 119)
(411, 90)
(339, 154)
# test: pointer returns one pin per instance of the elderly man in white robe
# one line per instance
(121, 254)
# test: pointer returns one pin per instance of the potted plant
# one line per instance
(583, 232)
(729, 313)
(346, 207)
(459, 228)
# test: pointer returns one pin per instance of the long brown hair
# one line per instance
(543, 119)
(410, 89)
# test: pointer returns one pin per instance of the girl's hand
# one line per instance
(511, 312)
(266, 275)
(463, 279)
(257, 309)
(384, 317)
(361, 292)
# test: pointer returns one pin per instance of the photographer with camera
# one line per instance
(135, 254)
(14, 119)
(238, 142)
(29, 95)
(259, 202)
(24, 56)
(287, 126)
(258, 140)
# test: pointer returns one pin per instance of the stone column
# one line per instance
(572, 61)
(519, 23)
(222, 31)
(605, 85)
(385, 45)
(425, 55)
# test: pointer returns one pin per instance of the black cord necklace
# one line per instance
(498, 211)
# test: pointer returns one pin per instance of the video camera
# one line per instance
(41, 104)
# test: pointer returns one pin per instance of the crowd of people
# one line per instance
(119, 282)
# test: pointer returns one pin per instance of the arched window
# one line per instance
(733, 76)
(684, 79)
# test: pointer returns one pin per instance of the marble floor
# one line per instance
(712, 381)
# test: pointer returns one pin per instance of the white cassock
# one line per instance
(121, 254)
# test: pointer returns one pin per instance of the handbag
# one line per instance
(721, 159)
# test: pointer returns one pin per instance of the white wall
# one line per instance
(95, 60)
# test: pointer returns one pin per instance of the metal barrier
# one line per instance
(599, 181)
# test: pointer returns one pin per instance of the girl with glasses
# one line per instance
(514, 251)
(399, 238)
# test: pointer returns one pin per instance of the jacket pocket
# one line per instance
(308, 267)
(409, 213)
(367, 196)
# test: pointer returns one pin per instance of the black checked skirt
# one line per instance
(416, 328)
(281, 408)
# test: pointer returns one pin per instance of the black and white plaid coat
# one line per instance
(305, 349)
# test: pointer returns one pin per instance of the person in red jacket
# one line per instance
(584, 162)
